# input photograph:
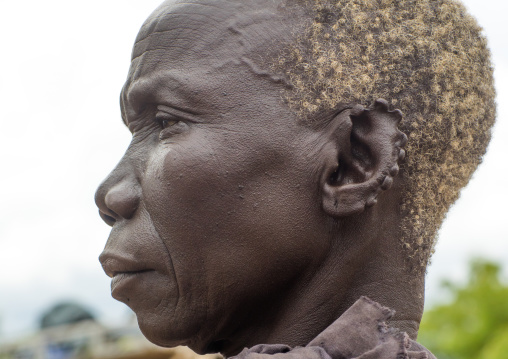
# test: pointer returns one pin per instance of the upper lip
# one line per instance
(115, 264)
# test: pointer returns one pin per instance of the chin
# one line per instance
(160, 332)
(169, 333)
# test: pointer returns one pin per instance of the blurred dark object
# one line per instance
(70, 332)
(65, 313)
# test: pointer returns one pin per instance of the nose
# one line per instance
(118, 197)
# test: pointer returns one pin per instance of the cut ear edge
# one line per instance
(382, 137)
(380, 105)
(351, 199)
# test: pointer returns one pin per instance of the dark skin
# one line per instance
(232, 223)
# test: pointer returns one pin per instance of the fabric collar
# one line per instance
(360, 333)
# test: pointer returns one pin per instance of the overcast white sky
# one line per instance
(62, 66)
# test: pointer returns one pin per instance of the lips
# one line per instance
(125, 273)
(114, 265)
(122, 281)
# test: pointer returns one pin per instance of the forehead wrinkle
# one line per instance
(248, 20)
(162, 43)
(159, 23)
(163, 10)
(174, 32)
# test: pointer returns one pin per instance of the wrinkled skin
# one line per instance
(219, 238)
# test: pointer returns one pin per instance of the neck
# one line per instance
(384, 273)
(362, 261)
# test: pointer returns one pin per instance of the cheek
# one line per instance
(230, 216)
(187, 192)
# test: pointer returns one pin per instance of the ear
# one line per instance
(365, 146)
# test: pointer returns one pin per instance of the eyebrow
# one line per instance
(161, 90)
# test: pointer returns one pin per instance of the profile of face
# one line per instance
(216, 207)
(210, 225)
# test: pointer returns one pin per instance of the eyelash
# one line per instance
(170, 125)
(165, 121)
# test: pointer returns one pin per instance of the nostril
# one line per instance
(108, 219)
(122, 200)
(118, 197)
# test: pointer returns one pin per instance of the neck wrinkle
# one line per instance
(386, 277)
(366, 259)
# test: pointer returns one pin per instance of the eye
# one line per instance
(166, 120)
(170, 125)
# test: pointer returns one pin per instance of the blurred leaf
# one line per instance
(475, 323)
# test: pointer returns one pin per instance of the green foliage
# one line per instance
(475, 323)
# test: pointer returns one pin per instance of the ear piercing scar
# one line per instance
(402, 155)
(386, 180)
(371, 202)
(387, 183)
(394, 170)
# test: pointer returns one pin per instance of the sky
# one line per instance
(62, 67)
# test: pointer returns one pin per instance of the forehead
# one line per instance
(182, 27)
(182, 38)
(210, 23)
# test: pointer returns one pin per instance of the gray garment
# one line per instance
(359, 333)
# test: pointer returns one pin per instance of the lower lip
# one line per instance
(122, 280)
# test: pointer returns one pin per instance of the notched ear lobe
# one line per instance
(367, 159)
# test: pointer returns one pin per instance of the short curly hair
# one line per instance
(427, 58)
